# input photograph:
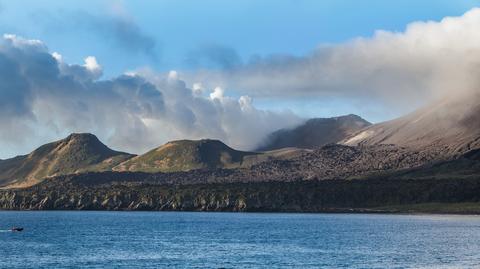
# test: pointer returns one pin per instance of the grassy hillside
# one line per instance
(74, 154)
(185, 155)
(80, 153)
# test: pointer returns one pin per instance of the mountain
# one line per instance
(315, 133)
(449, 127)
(185, 155)
(74, 154)
(329, 179)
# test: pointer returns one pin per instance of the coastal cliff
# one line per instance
(435, 196)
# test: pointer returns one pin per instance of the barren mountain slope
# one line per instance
(449, 127)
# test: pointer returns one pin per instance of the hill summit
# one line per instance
(79, 152)
(315, 133)
(185, 155)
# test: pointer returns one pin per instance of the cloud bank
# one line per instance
(397, 69)
(42, 97)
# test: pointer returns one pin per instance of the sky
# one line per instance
(162, 70)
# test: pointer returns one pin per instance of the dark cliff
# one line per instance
(315, 196)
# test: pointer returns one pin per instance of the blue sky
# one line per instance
(269, 50)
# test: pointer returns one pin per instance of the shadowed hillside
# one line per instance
(315, 133)
(74, 154)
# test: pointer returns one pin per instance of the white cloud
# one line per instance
(20, 42)
(57, 56)
(401, 70)
(197, 89)
(43, 98)
(235, 121)
(245, 102)
(92, 65)
(173, 75)
(217, 93)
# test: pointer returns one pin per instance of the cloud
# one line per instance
(91, 65)
(397, 69)
(213, 56)
(217, 93)
(189, 114)
(123, 30)
(116, 28)
(44, 98)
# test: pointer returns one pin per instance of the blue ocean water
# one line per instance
(237, 240)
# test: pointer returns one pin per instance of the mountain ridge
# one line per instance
(443, 131)
(79, 152)
(449, 127)
(185, 155)
(315, 132)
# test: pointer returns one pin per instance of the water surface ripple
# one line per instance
(56, 239)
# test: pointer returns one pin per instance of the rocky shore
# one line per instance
(307, 196)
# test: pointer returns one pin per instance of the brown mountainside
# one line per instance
(449, 127)
(74, 154)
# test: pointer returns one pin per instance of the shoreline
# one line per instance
(394, 210)
(435, 196)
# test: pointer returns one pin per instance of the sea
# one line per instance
(89, 239)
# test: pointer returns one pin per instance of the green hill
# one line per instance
(185, 155)
(75, 154)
